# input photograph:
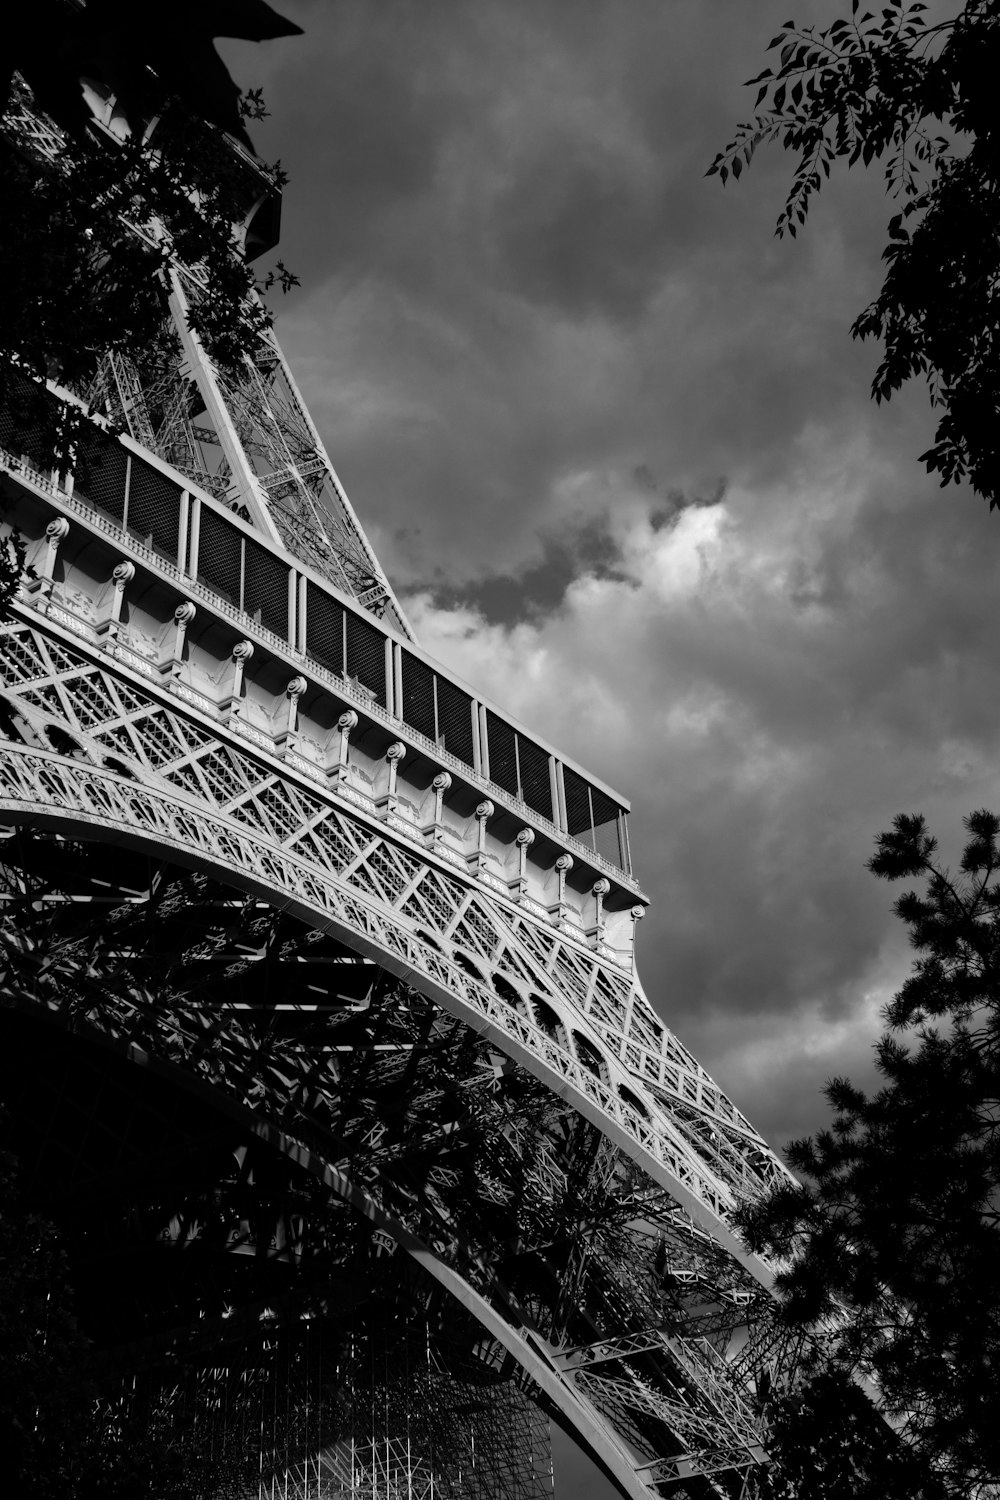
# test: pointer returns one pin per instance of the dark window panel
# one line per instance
(536, 787)
(219, 555)
(418, 696)
(366, 655)
(503, 753)
(577, 804)
(265, 587)
(455, 720)
(324, 628)
(100, 468)
(606, 809)
(20, 434)
(153, 508)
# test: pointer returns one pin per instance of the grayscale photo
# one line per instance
(499, 750)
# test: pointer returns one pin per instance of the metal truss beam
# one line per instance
(590, 1239)
(614, 1403)
(41, 788)
(679, 1110)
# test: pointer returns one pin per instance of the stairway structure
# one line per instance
(322, 1019)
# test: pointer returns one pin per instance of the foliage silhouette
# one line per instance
(825, 1441)
(59, 1438)
(890, 1249)
(95, 217)
(889, 86)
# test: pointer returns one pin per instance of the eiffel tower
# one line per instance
(322, 1032)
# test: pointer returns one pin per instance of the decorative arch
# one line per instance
(54, 791)
(580, 1399)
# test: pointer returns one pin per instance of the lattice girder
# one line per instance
(247, 814)
(136, 764)
(261, 1310)
(674, 1393)
(255, 421)
(592, 1242)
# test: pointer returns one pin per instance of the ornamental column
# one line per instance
(522, 843)
(112, 599)
(393, 757)
(230, 679)
(347, 721)
(434, 831)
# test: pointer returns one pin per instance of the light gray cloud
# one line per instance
(770, 678)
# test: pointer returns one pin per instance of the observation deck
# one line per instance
(132, 555)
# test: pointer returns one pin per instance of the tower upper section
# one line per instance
(211, 476)
(238, 427)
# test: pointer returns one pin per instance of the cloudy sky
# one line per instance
(613, 443)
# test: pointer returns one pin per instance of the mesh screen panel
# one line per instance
(19, 430)
(606, 809)
(606, 812)
(153, 508)
(536, 787)
(503, 755)
(366, 655)
(324, 628)
(99, 473)
(455, 720)
(577, 803)
(606, 839)
(418, 696)
(219, 549)
(265, 587)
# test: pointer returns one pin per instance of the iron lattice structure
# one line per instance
(321, 1017)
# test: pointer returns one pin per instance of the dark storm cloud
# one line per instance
(783, 672)
(541, 586)
(576, 233)
(584, 545)
(501, 219)
(359, 121)
(520, 294)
